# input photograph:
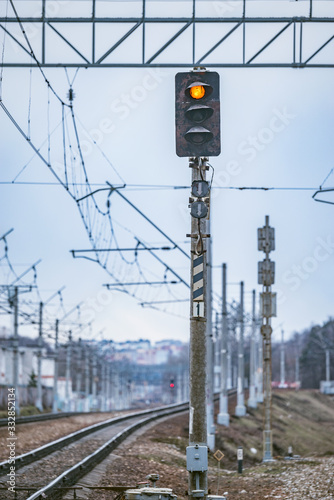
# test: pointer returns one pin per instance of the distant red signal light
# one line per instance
(171, 385)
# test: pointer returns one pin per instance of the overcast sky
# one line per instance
(277, 127)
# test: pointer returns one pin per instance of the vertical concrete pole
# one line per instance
(112, 387)
(223, 416)
(267, 433)
(229, 360)
(94, 380)
(210, 348)
(217, 355)
(68, 372)
(78, 379)
(260, 369)
(108, 386)
(297, 365)
(104, 385)
(252, 403)
(87, 384)
(39, 401)
(240, 409)
(282, 383)
(79, 369)
(198, 344)
(16, 350)
(117, 389)
(328, 366)
(55, 374)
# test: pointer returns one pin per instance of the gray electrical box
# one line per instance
(197, 458)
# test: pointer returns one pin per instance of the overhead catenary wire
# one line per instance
(157, 187)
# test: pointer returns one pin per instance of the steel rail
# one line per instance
(47, 449)
(44, 416)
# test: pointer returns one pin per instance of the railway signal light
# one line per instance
(200, 189)
(198, 209)
(197, 113)
(171, 384)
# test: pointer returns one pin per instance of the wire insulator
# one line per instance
(71, 94)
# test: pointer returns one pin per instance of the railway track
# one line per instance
(52, 416)
(52, 460)
(63, 462)
(43, 416)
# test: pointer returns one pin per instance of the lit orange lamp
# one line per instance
(197, 92)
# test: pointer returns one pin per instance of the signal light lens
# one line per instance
(171, 385)
(200, 189)
(198, 113)
(198, 135)
(197, 92)
(199, 209)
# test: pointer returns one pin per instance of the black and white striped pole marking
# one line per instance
(198, 285)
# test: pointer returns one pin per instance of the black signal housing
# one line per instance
(197, 114)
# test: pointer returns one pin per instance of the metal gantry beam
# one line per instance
(138, 41)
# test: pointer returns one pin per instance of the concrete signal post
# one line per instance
(197, 127)
(266, 277)
(197, 451)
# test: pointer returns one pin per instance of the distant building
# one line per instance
(27, 366)
(142, 352)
